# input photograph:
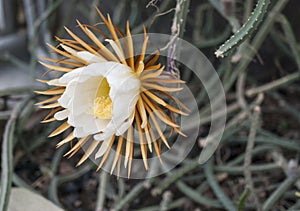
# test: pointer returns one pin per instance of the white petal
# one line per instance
(79, 132)
(68, 49)
(74, 74)
(55, 82)
(96, 126)
(96, 69)
(83, 97)
(66, 97)
(61, 115)
(81, 89)
(85, 55)
(114, 127)
(123, 80)
(123, 106)
(90, 58)
(124, 127)
(88, 123)
(79, 97)
(116, 49)
(107, 132)
(124, 93)
(103, 148)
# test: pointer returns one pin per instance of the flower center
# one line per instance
(102, 102)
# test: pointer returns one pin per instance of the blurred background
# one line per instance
(260, 78)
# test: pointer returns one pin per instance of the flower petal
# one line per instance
(124, 127)
(103, 148)
(88, 122)
(55, 82)
(81, 90)
(90, 58)
(61, 115)
(79, 132)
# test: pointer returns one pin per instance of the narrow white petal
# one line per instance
(103, 148)
(116, 49)
(55, 82)
(69, 49)
(107, 132)
(90, 58)
(61, 115)
(66, 97)
(124, 127)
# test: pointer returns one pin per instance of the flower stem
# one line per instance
(132, 194)
(177, 30)
(208, 170)
(248, 156)
(7, 154)
(101, 191)
(284, 186)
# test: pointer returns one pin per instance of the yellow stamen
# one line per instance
(102, 102)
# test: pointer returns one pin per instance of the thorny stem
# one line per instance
(256, 43)
(246, 30)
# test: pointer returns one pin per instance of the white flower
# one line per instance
(107, 95)
(99, 99)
